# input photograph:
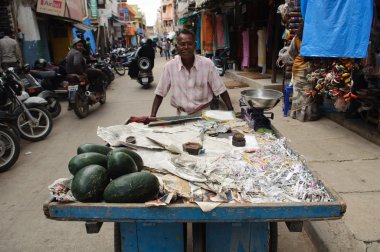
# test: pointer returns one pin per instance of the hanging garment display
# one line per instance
(245, 61)
(339, 28)
(207, 32)
(199, 28)
(261, 62)
(221, 30)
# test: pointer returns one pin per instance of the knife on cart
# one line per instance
(174, 121)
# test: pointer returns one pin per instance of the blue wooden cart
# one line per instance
(229, 227)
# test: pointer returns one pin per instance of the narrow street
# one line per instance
(24, 227)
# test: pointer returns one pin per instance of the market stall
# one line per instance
(238, 184)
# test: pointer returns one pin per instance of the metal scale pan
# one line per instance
(264, 99)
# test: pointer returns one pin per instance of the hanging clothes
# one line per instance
(261, 49)
(219, 29)
(304, 106)
(339, 28)
(207, 32)
(245, 61)
(199, 28)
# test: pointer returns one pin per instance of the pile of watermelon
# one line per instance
(113, 175)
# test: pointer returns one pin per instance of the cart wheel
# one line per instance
(273, 236)
(117, 237)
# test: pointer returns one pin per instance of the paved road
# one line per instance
(23, 226)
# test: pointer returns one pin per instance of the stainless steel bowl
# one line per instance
(261, 98)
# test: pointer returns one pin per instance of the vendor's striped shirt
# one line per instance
(190, 91)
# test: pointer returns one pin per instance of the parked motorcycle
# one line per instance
(34, 88)
(220, 60)
(82, 94)
(115, 64)
(9, 147)
(51, 77)
(108, 76)
(27, 114)
(123, 56)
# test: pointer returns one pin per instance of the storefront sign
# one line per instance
(94, 8)
(51, 7)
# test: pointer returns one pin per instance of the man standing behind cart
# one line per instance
(193, 79)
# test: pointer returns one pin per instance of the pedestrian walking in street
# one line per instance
(193, 79)
(167, 49)
(10, 54)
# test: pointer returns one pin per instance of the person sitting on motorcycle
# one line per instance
(193, 79)
(75, 63)
(147, 51)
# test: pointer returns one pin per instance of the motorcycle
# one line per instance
(220, 60)
(27, 114)
(82, 94)
(105, 68)
(141, 70)
(123, 56)
(9, 147)
(145, 75)
(52, 78)
(34, 88)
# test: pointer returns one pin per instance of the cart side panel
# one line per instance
(259, 236)
(128, 234)
(160, 237)
(226, 237)
(130, 212)
(241, 237)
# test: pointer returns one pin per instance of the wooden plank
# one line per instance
(128, 234)
(160, 237)
(226, 237)
(259, 236)
(192, 213)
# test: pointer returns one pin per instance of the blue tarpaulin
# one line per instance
(339, 28)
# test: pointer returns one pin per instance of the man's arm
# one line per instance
(226, 98)
(156, 104)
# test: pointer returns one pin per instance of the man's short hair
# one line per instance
(186, 31)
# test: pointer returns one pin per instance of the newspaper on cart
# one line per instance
(265, 170)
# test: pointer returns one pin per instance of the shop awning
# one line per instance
(184, 19)
(123, 22)
(337, 28)
(84, 27)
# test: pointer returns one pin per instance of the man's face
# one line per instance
(79, 46)
(186, 46)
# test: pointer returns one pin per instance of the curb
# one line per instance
(252, 82)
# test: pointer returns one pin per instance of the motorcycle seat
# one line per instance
(73, 77)
(43, 74)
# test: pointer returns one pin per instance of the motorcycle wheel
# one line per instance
(111, 76)
(106, 80)
(54, 107)
(9, 149)
(38, 131)
(104, 97)
(119, 68)
(81, 106)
